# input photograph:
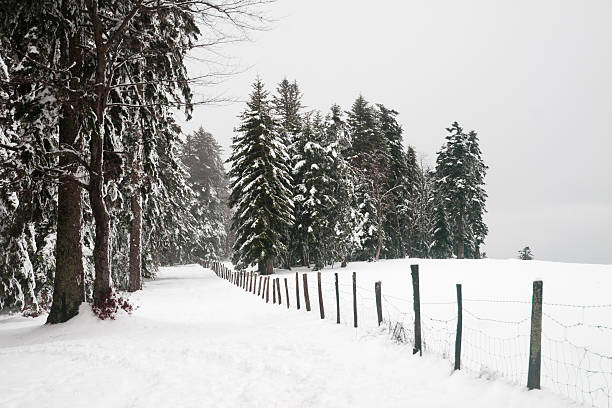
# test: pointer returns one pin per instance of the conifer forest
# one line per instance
(100, 187)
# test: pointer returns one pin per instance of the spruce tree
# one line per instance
(459, 182)
(202, 156)
(399, 180)
(261, 186)
(369, 157)
(287, 105)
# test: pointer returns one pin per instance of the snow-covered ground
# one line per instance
(198, 341)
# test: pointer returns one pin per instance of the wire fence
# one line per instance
(495, 334)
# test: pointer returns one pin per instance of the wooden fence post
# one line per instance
(259, 286)
(459, 328)
(321, 309)
(287, 292)
(278, 290)
(417, 310)
(378, 302)
(297, 291)
(306, 298)
(337, 300)
(267, 289)
(273, 290)
(535, 343)
(355, 299)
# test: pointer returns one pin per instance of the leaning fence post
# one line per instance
(459, 328)
(378, 302)
(259, 286)
(306, 298)
(267, 289)
(535, 344)
(417, 309)
(355, 299)
(280, 299)
(321, 310)
(273, 290)
(297, 291)
(287, 292)
(337, 300)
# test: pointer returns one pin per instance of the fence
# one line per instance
(563, 358)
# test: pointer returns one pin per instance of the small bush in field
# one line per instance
(111, 305)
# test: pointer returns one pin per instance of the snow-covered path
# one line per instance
(198, 341)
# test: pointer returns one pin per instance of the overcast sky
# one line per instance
(533, 78)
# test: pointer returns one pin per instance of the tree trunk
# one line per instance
(135, 282)
(69, 283)
(102, 282)
(460, 250)
(266, 267)
(305, 260)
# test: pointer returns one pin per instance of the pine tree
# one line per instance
(342, 216)
(369, 157)
(202, 156)
(460, 187)
(399, 180)
(287, 107)
(442, 243)
(525, 254)
(260, 186)
(422, 209)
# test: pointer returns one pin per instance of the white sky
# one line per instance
(533, 78)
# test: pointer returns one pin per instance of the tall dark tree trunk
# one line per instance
(101, 252)
(68, 287)
(69, 283)
(460, 244)
(102, 282)
(135, 282)
(266, 267)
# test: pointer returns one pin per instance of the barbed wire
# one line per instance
(491, 347)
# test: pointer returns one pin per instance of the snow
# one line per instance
(196, 340)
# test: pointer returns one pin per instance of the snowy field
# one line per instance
(198, 341)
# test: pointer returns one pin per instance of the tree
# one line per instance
(260, 186)
(202, 156)
(287, 107)
(369, 157)
(525, 254)
(91, 68)
(400, 178)
(459, 182)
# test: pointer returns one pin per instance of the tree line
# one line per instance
(311, 188)
(97, 188)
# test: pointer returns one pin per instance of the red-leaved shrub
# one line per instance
(35, 309)
(111, 305)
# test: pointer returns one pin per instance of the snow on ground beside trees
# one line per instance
(196, 340)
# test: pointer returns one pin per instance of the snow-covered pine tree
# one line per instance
(287, 103)
(343, 216)
(207, 178)
(478, 195)
(442, 242)
(261, 186)
(421, 209)
(400, 180)
(41, 150)
(460, 187)
(369, 157)
(525, 254)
